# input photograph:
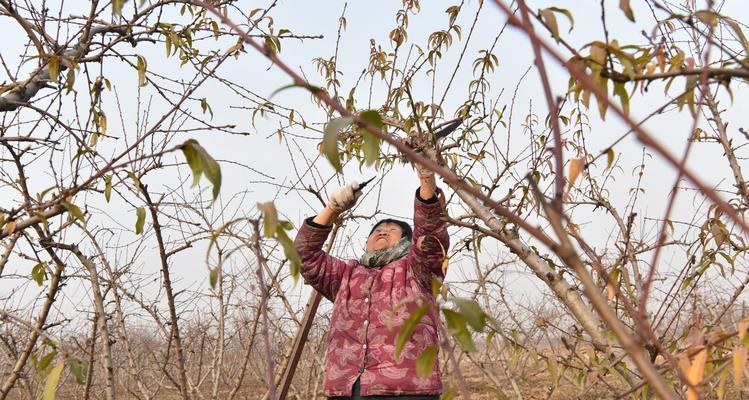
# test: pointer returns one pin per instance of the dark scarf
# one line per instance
(377, 259)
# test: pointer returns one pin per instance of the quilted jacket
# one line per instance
(371, 304)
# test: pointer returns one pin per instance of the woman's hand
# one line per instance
(427, 182)
(341, 200)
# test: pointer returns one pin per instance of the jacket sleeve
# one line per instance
(319, 269)
(430, 239)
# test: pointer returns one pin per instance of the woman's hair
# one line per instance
(406, 231)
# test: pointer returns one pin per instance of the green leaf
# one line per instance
(193, 160)
(212, 171)
(46, 360)
(566, 13)
(200, 163)
(107, 187)
(372, 117)
(456, 326)
(168, 44)
(330, 140)
(270, 218)
(311, 88)
(117, 6)
(272, 44)
(50, 386)
(624, 6)
(547, 15)
(553, 366)
(602, 104)
(54, 68)
(38, 273)
(79, 370)
(74, 211)
(610, 157)
(41, 218)
(136, 181)
(140, 214)
(620, 91)
(370, 142)
(471, 311)
(708, 17)
(449, 394)
(426, 360)
(141, 65)
(213, 277)
(408, 328)
(289, 251)
(739, 32)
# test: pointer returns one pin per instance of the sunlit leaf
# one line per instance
(54, 68)
(575, 168)
(200, 163)
(270, 218)
(708, 17)
(613, 280)
(445, 264)
(9, 227)
(720, 391)
(50, 386)
(74, 211)
(624, 6)
(141, 66)
(739, 32)
(404, 334)
(330, 141)
(140, 220)
(38, 273)
(117, 6)
(107, 187)
(566, 13)
(547, 15)
(289, 251)
(739, 364)
(696, 372)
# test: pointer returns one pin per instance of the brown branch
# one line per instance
(550, 103)
(169, 293)
(587, 82)
(264, 309)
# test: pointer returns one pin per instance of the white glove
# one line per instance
(422, 171)
(344, 198)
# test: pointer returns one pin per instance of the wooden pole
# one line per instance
(300, 339)
(298, 346)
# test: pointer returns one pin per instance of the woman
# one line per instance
(373, 296)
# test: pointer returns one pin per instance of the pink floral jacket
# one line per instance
(371, 305)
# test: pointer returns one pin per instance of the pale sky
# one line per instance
(367, 20)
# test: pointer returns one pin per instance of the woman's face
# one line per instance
(384, 236)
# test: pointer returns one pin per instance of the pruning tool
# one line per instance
(363, 184)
